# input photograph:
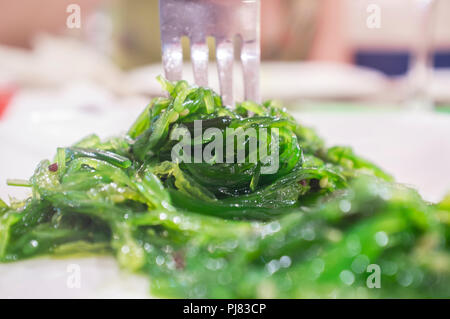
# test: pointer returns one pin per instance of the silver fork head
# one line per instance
(223, 20)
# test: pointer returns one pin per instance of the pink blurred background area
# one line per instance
(291, 29)
(334, 50)
(315, 36)
(330, 48)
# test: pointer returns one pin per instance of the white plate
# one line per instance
(281, 80)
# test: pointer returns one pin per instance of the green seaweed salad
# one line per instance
(328, 223)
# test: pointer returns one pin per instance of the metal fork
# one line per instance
(224, 20)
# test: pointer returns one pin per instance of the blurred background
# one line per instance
(291, 29)
(373, 74)
(337, 49)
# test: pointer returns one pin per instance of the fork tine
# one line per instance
(250, 58)
(199, 59)
(172, 58)
(225, 57)
(222, 20)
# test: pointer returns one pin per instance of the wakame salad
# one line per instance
(327, 223)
